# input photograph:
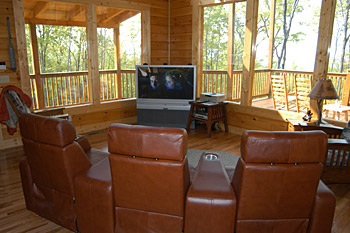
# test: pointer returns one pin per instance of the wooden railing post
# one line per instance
(346, 91)
(230, 50)
(36, 66)
(117, 61)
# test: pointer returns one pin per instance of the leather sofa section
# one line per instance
(36, 128)
(277, 183)
(276, 191)
(94, 199)
(283, 147)
(149, 185)
(210, 201)
(275, 226)
(323, 210)
(52, 160)
(146, 221)
(55, 167)
(147, 141)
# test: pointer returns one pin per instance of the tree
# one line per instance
(105, 48)
(130, 35)
(284, 20)
(215, 37)
(344, 10)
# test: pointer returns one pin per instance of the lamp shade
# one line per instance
(323, 89)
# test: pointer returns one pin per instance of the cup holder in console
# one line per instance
(211, 157)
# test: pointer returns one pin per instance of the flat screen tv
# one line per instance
(165, 86)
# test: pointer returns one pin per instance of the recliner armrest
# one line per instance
(83, 142)
(210, 201)
(94, 199)
(323, 211)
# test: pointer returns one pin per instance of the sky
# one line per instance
(300, 55)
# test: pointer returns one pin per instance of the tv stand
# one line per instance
(163, 117)
(215, 112)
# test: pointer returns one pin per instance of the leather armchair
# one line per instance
(146, 186)
(277, 183)
(52, 159)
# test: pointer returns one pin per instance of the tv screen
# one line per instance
(165, 82)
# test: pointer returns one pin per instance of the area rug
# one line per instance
(227, 158)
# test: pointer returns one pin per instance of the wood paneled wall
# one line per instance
(6, 10)
(159, 31)
(180, 32)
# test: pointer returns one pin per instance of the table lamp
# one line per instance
(323, 89)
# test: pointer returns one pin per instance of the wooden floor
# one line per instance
(15, 218)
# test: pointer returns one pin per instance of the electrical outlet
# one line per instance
(2, 65)
(4, 79)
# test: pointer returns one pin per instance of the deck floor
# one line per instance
(268, 103)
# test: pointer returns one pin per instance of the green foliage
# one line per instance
(64, 49)
(239, 30)
(130, 31)
(215, 37)
(61, 49)
(340, 50)
(29, 50)
(106, 53)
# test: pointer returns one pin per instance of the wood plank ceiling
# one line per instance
(69, 14)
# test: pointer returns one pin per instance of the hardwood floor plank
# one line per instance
(14, 217)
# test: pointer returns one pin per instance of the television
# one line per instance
(165, 86)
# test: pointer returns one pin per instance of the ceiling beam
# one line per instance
(110, 15)
(39, 8)
(78, 10)
(124, 16)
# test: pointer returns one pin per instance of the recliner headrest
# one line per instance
(53, 131)
(283, 147)
(147, 141)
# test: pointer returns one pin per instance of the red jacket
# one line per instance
(4, 115)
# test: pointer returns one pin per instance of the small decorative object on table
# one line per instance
(308, 116)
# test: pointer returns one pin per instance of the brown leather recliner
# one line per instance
(52, 159)
(145, 188)
(277, 183)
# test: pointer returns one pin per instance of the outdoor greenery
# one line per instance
(340, 54)
(292, 27)
(64, 48)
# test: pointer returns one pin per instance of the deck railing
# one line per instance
(128, 84)
(61, 89)
(261, 85)
(67, 89)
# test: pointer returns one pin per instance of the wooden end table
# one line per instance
(208, 113)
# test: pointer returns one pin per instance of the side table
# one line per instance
(208, 113)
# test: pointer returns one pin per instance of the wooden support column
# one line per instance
(324, 43)
(346, 92)
(249, 52)
(271, 42)
(230, 50)
(18, 13)
(36, 66)
(118, 65)
(94, 76)
(197, 42)
(146, 37)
